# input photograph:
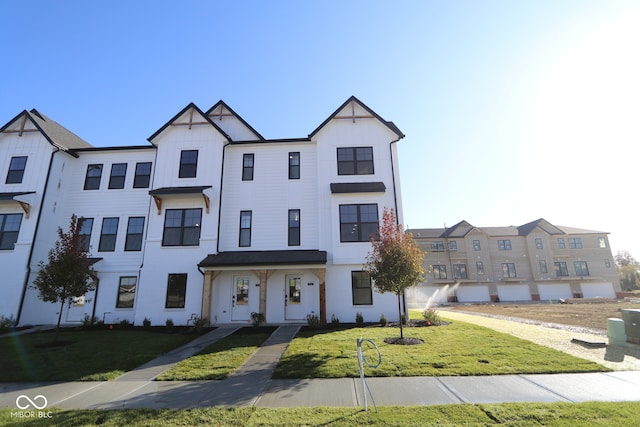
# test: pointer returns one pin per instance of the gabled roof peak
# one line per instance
(217, 111)
(190, 123)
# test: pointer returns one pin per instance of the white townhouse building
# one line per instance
(534, 261)
(209, 220)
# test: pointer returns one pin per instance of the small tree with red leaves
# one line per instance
(395, 262)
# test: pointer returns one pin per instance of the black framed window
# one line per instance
(358, 223)
(92, 179)
(182, 227)
(142, 175)
(361, 289)
(355, 160)
(247, 167)
(581, 268)
(508, 270)
(439, 271)
(245, 229)
(188, 164)
(459, 271)
(9, 229)
(16, 170)
(504, 245)
(85, 225)
(135, 228)
(561, 269)
(294, 227)
(294, 165)
(126, 292)
(118, 175)
(176, 290)
(108, 235)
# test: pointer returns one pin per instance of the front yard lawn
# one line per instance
(90, 355)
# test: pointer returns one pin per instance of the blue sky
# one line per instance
(512, 110)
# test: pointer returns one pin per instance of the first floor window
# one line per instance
(361, 288)
(9, 228)
(561, 269)
(176, 290)
(480, 267)
(85, 225)
(16, 170)
(581, 268)
(182, 227)
(459, 271)
(543, 266)
(135, 228)
(508, 270)
(126, 292)
(358, 223)
(108, 235)
(294, 227)
(92, 179)
(439, 271)
(245, 229)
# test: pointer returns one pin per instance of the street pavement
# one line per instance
(251, 385)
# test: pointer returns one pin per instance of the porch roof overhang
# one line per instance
(11, 197)
(357, 187)
(224, 260)
(172, 192)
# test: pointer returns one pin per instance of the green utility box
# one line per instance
(631, 319)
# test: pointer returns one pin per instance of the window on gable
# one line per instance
(92, 179)
(358, 223)
(108, 235)
(126, 292)
(16, 170)
(294, 165)
(9, 228)
(247, 167)
(355, 161)
(476, 245)
(361, 290)
(85, 225)
(188, 164)
(176, 291)
(135, 228)
(142, 175)
(538, 243)
(245, 229)
(118, 175)
(182, 227)
(294, 227)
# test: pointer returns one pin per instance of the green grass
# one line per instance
(456, 349)
(90, 355)
(506, 414)
(218, 360)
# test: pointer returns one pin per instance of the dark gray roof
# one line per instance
(10, 196)
(247, 258)
(178, 190)
(358, 187)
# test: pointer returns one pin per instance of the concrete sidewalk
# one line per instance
(251, 384)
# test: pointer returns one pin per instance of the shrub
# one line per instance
(199, 323)
(383, 320)
(431, 316)
(125, 323)
(359, 319)
(6, 323)
(169, 325)
(257, 319)
(335, 322)
(89, 322)
(146, 323)
(313, 321)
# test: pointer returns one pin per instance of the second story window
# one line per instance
(182, 227)
(247, 167)
(459, 271)
(294, 165)
(92, 180)
(142, 175)
(480, 267)
(355, 161)
(561, 269)
(504, 245)
(118, 175)
(9, 228)
(85, 225)
(581, 268)
(245, 229)
(135, 228)
(543, 266)
(188, 164)
(439, 271)
(108, 235)
(16, 170)
(508, 270)
(358, 223)
(294, 227)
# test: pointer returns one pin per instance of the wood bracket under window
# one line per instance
(207, 202)
(158, 201)
(26, 207)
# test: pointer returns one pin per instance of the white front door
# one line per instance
(240, 303)
(294, 298)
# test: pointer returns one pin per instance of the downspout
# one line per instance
(395, 204)
(35, 235)
(224, 147)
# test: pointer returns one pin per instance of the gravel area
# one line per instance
(619, 358)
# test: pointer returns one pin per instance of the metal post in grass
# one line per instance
(364, 359)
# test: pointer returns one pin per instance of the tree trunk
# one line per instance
(59, 319)
(400, 316)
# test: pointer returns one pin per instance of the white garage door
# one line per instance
(514, 293)
(473, 294)
(421, 296)
(554, 291)
(597, 290)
